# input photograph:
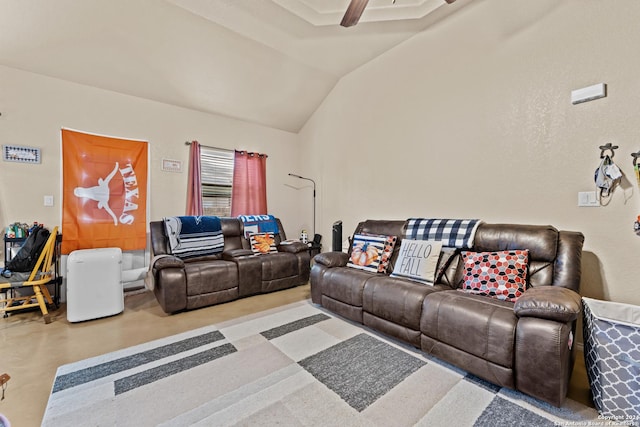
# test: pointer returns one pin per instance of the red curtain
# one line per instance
(194, 184)
(249, 193)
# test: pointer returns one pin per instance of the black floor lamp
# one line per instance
(314, 198)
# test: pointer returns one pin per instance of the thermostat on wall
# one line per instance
(169, 165)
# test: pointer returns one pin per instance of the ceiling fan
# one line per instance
(355, 9)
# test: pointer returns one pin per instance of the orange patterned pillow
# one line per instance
(371, 252)
(263, 243)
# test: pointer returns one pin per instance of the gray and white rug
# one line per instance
(294, 366)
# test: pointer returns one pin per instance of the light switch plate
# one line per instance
(588, 199)
(48, 200)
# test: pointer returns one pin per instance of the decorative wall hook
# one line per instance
(608, 146)
(635, 157)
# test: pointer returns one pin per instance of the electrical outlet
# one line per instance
(48, 200)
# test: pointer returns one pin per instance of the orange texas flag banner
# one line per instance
(104, 186)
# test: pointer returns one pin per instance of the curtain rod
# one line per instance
(226, 149)
(208, 146)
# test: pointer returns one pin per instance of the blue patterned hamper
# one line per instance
(612, 358)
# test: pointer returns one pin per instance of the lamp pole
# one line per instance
(314, 198)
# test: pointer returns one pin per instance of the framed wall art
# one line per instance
(21, 154)
(170, 165)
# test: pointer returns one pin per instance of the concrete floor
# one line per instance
(30, 351)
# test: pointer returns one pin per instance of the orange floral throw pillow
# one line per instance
(263, 243)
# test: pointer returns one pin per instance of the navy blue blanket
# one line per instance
(192, 236)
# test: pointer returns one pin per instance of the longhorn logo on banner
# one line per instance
(104, 192)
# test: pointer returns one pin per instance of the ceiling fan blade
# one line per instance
(353, 13)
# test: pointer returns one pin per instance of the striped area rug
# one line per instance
(292, 366)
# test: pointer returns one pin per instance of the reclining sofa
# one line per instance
(186, 284)
(526, 345)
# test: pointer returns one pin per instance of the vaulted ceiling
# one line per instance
(270, 62)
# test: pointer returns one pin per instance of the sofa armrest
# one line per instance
(332, 259)
(236, 253)
(549, 302)
(293, 247)
(166, 261)
(167, 279)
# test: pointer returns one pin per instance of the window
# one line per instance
(216, 168)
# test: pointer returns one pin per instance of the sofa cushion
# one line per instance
(263, 243)
(279, 265)
(501, 275)
(207, 277)
(447, 264)
(396, 300)
(371, 252)
(542, 241)
(345, 284)
(484, 327)
(418, 260)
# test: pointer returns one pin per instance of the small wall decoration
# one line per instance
(169, 165)
(21, 154)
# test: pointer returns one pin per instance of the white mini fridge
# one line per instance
(94, 284)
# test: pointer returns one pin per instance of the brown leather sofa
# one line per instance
(198, 282)
(526, 345)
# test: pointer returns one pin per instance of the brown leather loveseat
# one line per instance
(186, 284)
(526, 345)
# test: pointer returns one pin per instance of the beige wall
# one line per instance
(472, 118)
(34, 108)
